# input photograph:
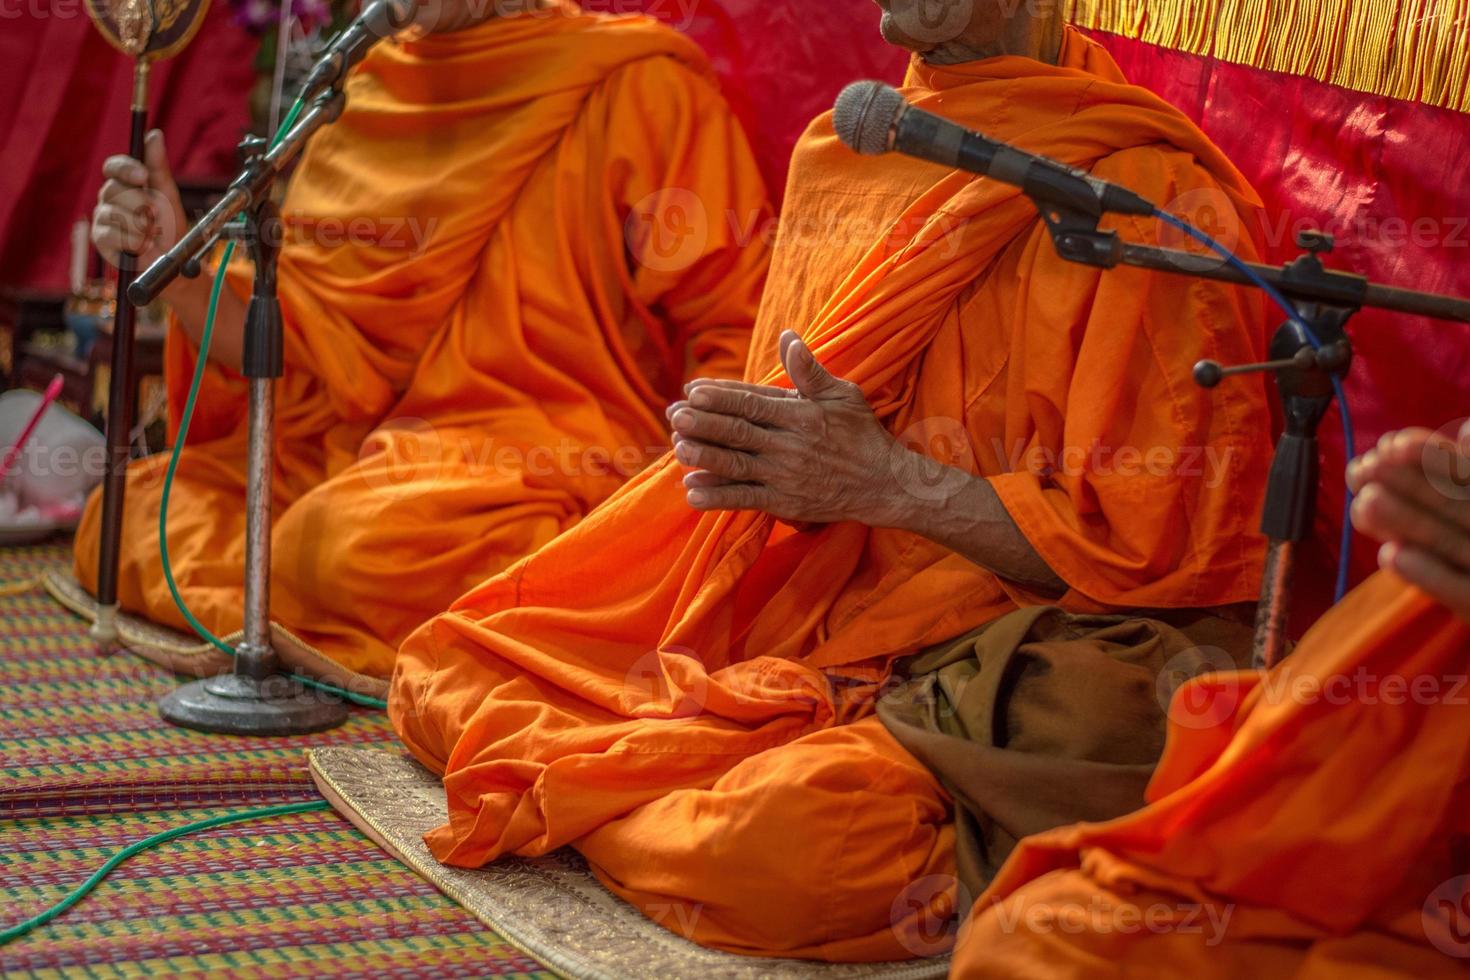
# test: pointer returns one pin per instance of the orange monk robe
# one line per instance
(688, 698)
(505, 259)
(1311, 822)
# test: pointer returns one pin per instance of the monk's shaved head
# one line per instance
(954, 31)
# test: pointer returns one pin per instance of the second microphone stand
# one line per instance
(257, 698)
(1305, 368)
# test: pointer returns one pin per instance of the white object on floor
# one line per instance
(61, 463)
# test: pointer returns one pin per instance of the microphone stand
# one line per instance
(257, 698)
(1325, 300)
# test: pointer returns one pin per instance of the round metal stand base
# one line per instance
(104, 630)
(233, 704)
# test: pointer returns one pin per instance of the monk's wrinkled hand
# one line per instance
(815, 455)
(1413, 494)
(740, 387)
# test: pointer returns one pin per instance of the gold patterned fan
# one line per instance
(148, 29)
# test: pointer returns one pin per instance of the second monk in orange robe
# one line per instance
(1311, 822)
(688, 697)
(514, 247)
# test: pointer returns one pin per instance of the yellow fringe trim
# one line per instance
(1417, 50)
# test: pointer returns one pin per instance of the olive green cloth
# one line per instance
(1043, 718)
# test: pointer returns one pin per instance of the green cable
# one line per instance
(81, 891)
(173, 461)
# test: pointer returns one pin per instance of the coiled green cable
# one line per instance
(81, 891)
(173, 462)
(239, 816)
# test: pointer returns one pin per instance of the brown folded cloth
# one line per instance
(1044, 718)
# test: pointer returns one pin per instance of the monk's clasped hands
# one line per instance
(1413, 494)
(813, 455)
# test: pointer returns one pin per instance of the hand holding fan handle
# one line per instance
(144, 30)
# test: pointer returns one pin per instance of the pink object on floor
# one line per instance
(53, 391)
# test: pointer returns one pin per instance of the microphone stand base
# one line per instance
(104, 629)
(237, 704)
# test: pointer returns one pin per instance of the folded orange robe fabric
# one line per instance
(688, 697)
(1310, 822)
(503, 261)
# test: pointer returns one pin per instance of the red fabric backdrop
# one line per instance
(782, 63)
(1386, 176)
(65, 110)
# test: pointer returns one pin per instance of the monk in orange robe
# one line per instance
(1309, 822)
(522, 237)
(683, 686)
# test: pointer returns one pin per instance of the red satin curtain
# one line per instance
(65, 110)
(782, 63)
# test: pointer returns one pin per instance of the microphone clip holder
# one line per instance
(1077, 238)
(257, 698)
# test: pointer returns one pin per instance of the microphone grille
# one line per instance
(865, 114)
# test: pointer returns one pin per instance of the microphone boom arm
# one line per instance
(1077, 239)
(248, 190)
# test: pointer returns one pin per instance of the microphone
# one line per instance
(873, 118)
(380, 19)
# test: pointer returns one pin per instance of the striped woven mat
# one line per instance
(87, 767)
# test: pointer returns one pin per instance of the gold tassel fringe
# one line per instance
(1418, 50)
